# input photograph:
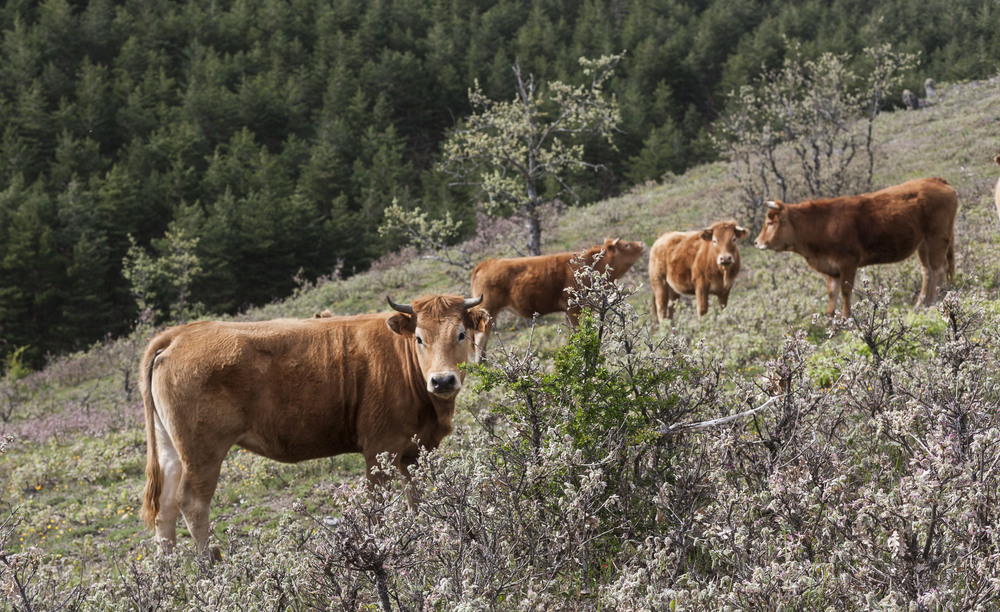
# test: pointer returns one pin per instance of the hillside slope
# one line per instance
(74, 473)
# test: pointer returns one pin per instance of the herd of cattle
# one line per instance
(293, 390)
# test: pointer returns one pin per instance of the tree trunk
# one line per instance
(534, 231)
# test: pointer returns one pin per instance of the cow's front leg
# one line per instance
(723, 298)
(701, 296)
(481, 339)
(832, 288)
(846, 287)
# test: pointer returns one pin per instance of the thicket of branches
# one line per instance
(862, 474)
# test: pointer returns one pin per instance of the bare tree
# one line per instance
(510, 151)
(806, 130)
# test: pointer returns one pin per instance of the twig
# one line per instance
(680, 427)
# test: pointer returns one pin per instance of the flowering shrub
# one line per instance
(861, 474)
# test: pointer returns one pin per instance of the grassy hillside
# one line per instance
(73, 475)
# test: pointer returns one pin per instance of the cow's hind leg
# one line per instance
(672, 297)
(170, 474)
(926, 272)
(934, 262)
(195, 490)
(659, 302)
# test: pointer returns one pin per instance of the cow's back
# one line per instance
(526, 285)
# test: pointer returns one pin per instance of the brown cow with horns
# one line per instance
(293, 390)
(839, 235)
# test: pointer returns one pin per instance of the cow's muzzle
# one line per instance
(444, 383)
(725, 260)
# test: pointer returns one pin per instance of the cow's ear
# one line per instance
(741, 231)
(477, 319)
(706, 234)
(610, 245)
(402, 324)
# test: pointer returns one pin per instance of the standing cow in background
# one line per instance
(839, 235)
(296, 389)
(538, 284)
(695, 263)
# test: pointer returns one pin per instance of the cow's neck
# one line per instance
(801, 216)
(441, 411)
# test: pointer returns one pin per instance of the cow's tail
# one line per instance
(154, 475)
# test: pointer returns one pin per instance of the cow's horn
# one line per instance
(404, 308)
(470, 302)
(771, 204)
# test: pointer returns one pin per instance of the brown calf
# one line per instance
(700, 263)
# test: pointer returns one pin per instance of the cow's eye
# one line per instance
(420, 341)
(461, 336)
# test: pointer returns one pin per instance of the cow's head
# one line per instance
(723, 236)
(442, 327)
(776, 233)
(621, 254)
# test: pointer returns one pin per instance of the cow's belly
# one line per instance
(825, 265)
(526, 307)
(887, 256)
(292, 448)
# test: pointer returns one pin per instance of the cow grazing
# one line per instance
(539, 284)
(700, 263)
(292, 390)
(839, 235)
